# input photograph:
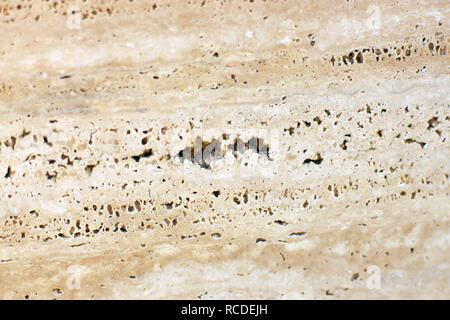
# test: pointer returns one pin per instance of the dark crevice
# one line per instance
(317, 160)
(145, 154)
(9, 173)
(422, 144)
(433, 122)
(297, 234)
(89, 168)
(204, 153)
(281, 222)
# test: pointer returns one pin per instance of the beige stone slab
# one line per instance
(318, 133)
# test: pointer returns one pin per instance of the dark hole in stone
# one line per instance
(216, 193)
(8, 173)
(297, 234)
(317, 160)
(145, 154)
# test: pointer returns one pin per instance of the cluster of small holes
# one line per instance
(139, 214)
(204, 153)
(423, 46)
(15, 11)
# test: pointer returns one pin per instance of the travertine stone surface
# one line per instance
(329, 122)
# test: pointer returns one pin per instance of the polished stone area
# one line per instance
(224, 149)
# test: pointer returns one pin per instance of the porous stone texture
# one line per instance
(323, 127)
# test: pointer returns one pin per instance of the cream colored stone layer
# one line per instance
(100, 101)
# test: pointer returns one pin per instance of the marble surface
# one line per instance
(224, 149)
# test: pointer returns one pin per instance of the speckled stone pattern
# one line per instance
(224, 149)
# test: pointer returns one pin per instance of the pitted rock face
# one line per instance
(224, 149)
